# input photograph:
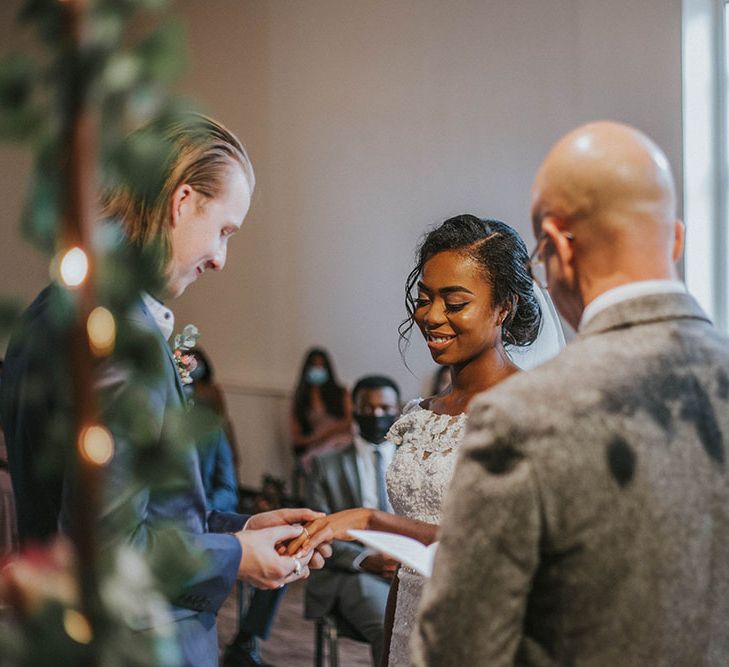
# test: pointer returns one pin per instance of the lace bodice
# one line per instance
(417, 481)
(421, 470)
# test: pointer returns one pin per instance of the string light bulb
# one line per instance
(101, 329)
(74, 267)
(96, 445)
(77, 626)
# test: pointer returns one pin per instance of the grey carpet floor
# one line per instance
(291, 643)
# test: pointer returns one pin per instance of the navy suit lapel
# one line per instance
(178, 379)
(144, 318)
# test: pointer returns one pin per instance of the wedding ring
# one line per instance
(306, 532)
(297, 567)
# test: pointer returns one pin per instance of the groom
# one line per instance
(203, 201)
(587, 520)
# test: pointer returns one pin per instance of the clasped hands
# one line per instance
(337, 527)
(267, 561)
(274, 542)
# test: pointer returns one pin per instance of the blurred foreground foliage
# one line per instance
(120, 70)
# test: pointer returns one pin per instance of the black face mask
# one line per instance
(374, 429)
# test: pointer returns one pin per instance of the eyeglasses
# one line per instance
(536, 266)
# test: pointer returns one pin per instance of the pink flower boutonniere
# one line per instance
(184, 342)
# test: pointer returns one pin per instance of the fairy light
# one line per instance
(77, 626)
(96, 445)
(101, 329)
(74, 267)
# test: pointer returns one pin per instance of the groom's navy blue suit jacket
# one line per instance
(158, 520)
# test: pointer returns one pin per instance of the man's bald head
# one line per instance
(610, 187)
(603, 168)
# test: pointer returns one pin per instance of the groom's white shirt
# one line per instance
(163, 317)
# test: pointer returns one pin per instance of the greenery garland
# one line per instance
(125, 82)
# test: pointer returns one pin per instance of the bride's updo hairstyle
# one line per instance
(503, 258)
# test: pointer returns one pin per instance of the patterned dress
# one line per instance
(417, 481)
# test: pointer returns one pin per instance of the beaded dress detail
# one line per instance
(417, 481)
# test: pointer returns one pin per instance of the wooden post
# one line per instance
(78, 216)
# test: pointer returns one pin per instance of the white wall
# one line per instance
(367, 122)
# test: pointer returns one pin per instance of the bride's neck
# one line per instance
(472, 378)
(481, 374)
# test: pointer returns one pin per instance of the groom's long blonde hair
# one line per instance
(200, 151)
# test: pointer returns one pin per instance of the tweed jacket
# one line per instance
(587, 520)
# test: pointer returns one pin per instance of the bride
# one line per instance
(474, 302)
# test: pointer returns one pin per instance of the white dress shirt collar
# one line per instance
(627, 292)
(162, 315)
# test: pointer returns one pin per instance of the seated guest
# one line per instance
(321, 415)
(354, 582)
(208, 393)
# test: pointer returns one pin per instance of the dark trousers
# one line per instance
(261, 613)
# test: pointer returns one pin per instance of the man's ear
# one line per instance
(562, 244)
(679, 236)
(181, 199)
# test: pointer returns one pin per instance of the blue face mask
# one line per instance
(316, 375)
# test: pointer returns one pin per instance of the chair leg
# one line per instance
(242, 602)
(319, 648)
(332, 637)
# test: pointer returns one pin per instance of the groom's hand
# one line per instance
(315, 552)
(261, 564)
(282, 517)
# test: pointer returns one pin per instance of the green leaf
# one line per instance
(18, 76)
(128, 7)
(105, 28)
(162, 52)
(122, 73)
(20, 126)
(49, 19)
(41, 214)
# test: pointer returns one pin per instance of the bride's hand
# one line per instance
(339, 523)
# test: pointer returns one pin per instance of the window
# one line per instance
(705, 153)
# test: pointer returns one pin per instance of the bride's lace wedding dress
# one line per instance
(417, 481)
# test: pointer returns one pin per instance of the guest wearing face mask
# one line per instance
(354, 581)
(321, 418)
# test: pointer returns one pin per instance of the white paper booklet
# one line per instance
(406, 550)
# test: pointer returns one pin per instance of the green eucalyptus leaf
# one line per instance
(105, 28)
(122, 72)
(128, 7)
(18, 77)
(145, 102)
(162, 52)
(20, 126)
(48, 17)
(142, 162)
(41, 214)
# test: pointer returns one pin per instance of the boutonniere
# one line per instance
(183, 343)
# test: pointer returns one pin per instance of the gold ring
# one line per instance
(308, 537)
